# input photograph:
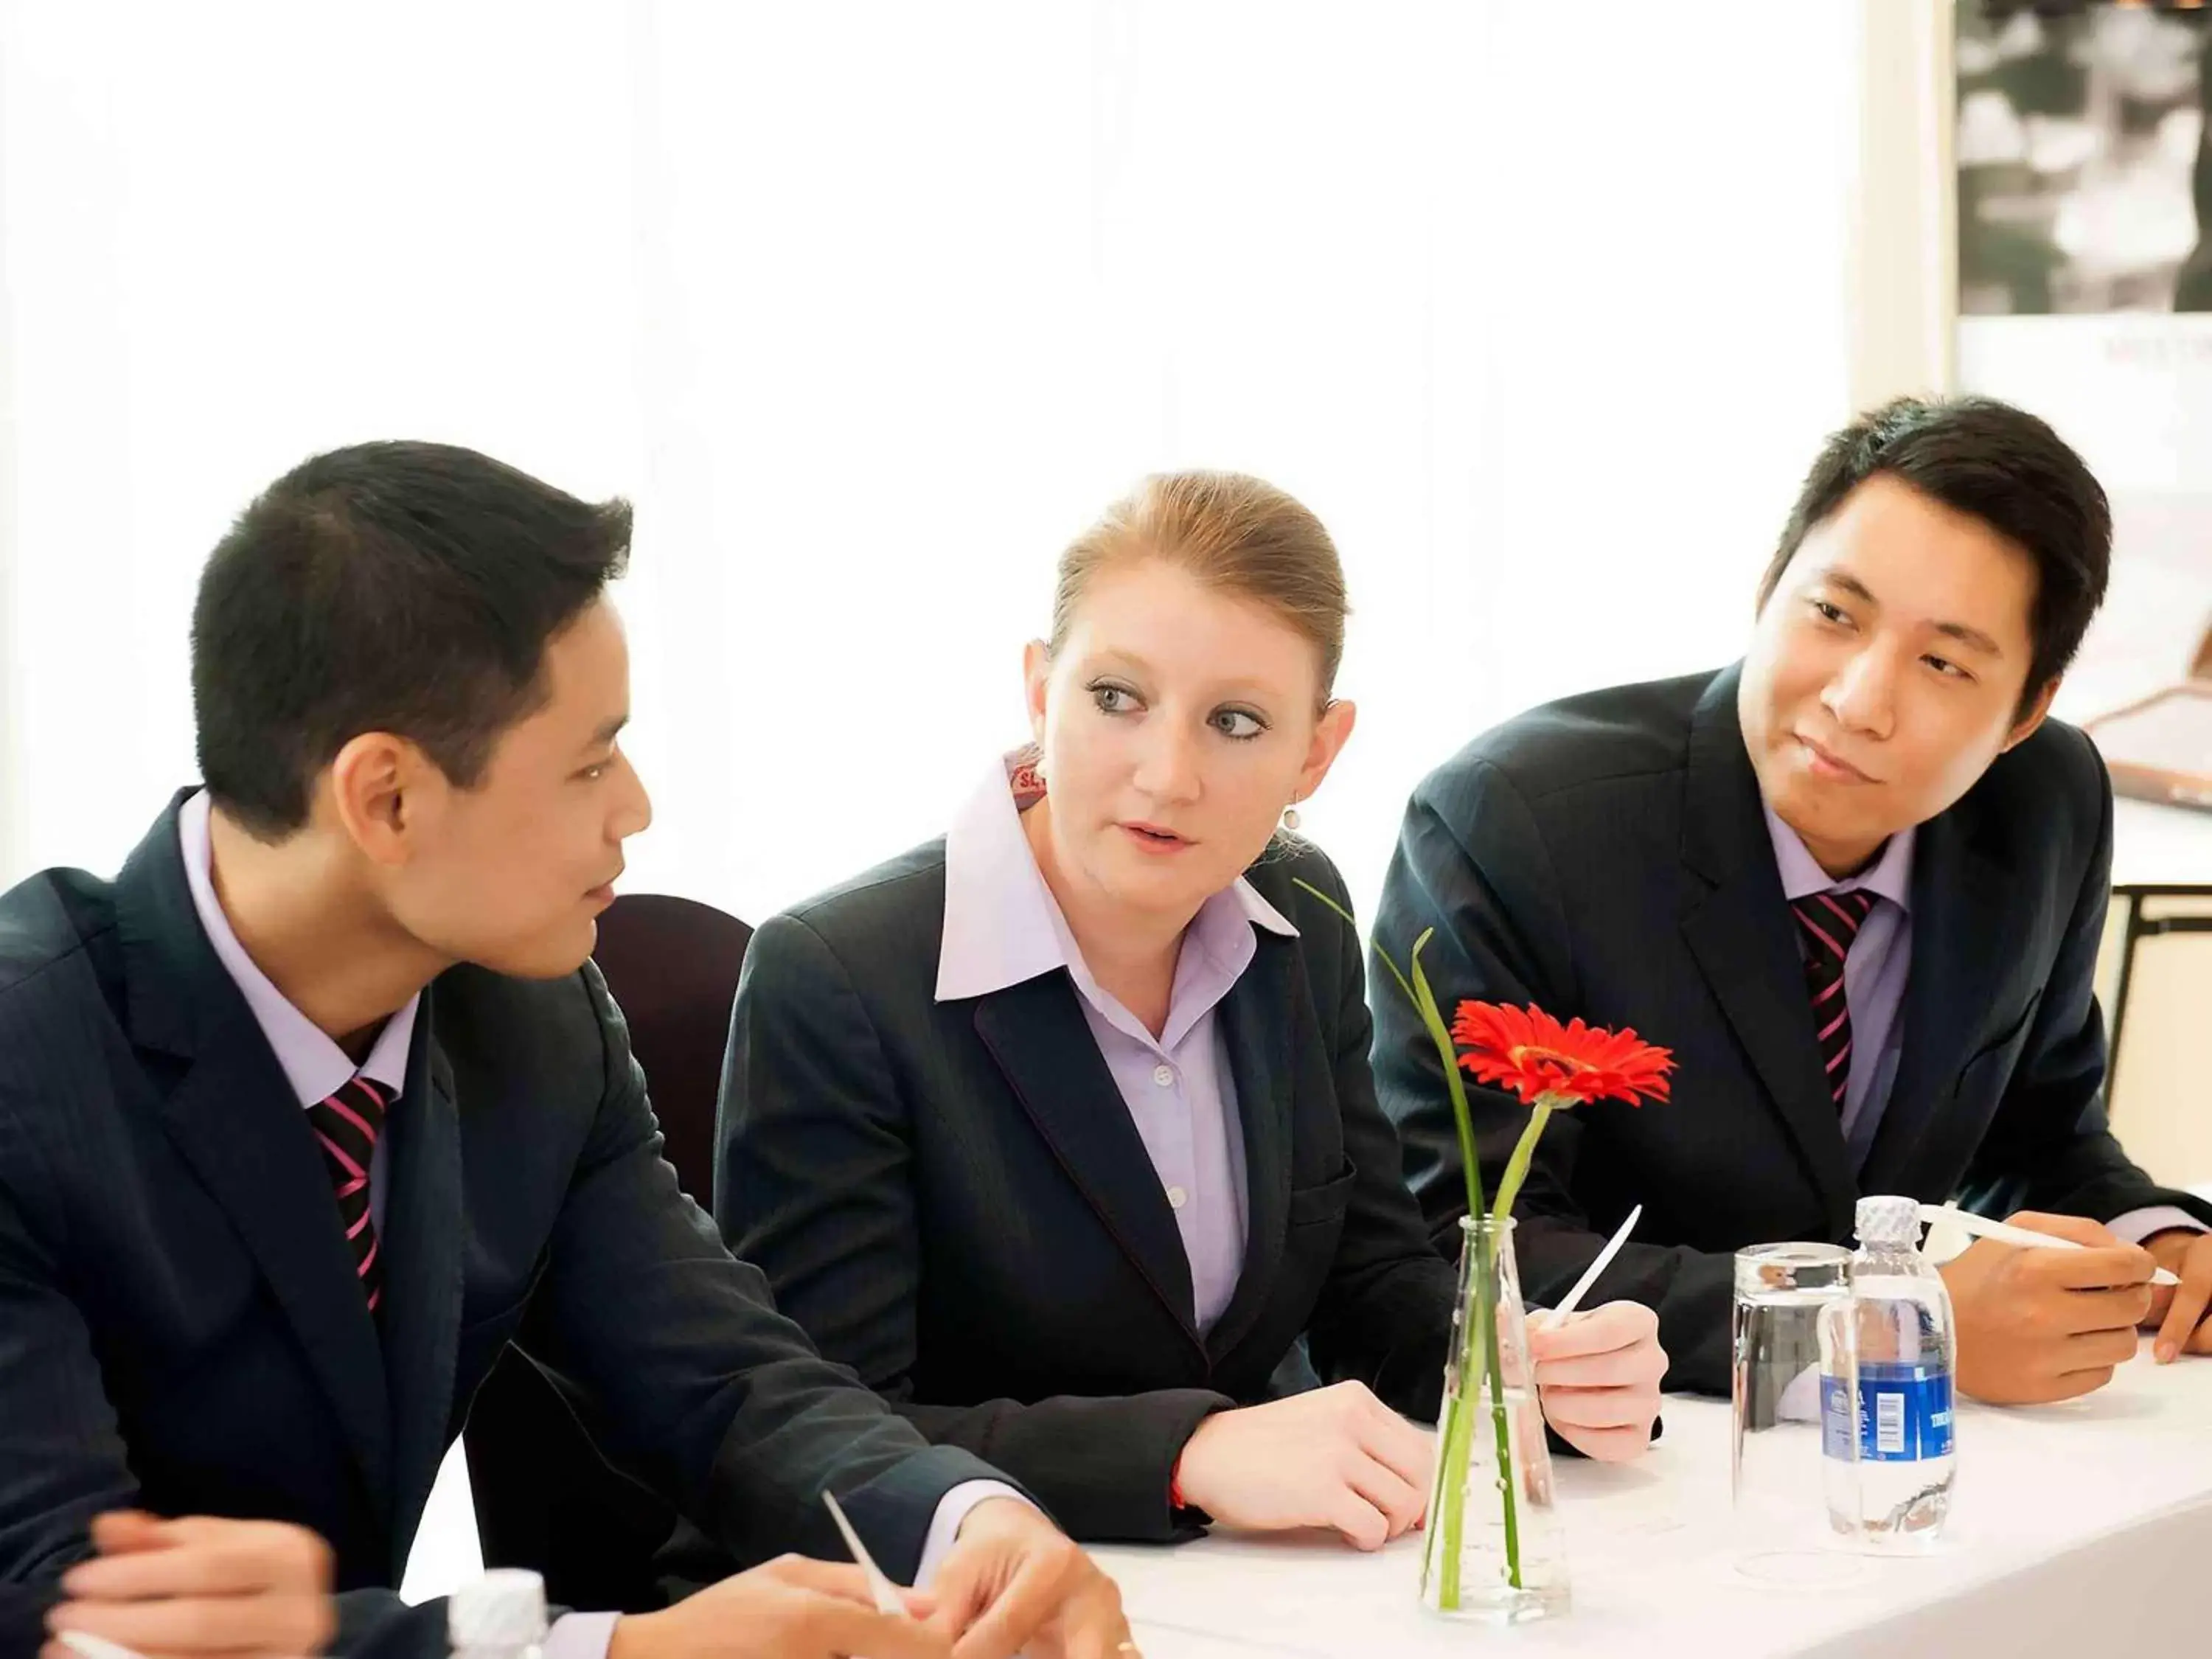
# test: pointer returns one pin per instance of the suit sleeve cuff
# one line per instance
(952, 1511)
(580, 1635)
(2136, 1226)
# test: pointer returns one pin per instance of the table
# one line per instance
(2075, 1528)
(2157, 853)
(2156, 846)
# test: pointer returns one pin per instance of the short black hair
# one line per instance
(1997, 464)
(401, 587)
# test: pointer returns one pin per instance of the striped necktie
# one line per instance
(1826, 925)
(347, 1126)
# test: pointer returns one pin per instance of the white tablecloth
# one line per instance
(2153, 843)
(2080, 1528)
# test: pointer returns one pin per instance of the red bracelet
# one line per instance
(1174, 1488)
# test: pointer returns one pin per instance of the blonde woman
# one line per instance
(1059, 1130)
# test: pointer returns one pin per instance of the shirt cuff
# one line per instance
(952, 1511)
(579, 1635)
(2136, 1226)
(586, 1635)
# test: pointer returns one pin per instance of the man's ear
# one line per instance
(2028, 724)
(382, 790)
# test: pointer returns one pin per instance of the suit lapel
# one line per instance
(1036, 1032)
(234, 1118)
(1736, 923)
(1966, 936)
(422, 1241)
(248, 1142)
(1255, 1023)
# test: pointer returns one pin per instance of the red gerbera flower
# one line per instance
(1530, 1053)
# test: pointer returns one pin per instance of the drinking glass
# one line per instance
(1777, 1481)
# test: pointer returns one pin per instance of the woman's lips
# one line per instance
(1153, 839)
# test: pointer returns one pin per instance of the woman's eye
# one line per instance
(1113, 699)
(1944, 667)
(1829, 612)
(1239, 723)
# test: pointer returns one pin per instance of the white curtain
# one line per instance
(869, 307)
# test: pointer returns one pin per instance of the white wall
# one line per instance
(869, 307)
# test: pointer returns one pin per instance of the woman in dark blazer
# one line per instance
(1059, 1130)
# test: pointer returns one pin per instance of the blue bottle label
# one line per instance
(1904, 1415)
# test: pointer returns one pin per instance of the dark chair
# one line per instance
(672, 964)
(546, 1497)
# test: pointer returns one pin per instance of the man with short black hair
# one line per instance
(1857, 883)
(313, 1105)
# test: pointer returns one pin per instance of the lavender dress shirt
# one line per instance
(1876, 967)
(1002, 925)
(313, 1064)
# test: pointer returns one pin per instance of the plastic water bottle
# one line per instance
(1893, 1490)
(500, 1615)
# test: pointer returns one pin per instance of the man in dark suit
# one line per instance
(1856, 884)
(309, 1108)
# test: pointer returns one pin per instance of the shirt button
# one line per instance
(1163, 1075)
(1177, 1198)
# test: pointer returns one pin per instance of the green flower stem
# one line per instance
(1418, 993)
(1509, 1486)
(1517, 1168)
(1508, 1188)
(1462, 1119)
(1449, 1502)
(1448, 1506)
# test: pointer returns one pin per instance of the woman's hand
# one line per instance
(1333, 1457)
(1598, 1375)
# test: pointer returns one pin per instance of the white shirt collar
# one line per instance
(316, 1067)
(1002, 925)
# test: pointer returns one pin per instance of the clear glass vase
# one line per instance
(1491, 1549)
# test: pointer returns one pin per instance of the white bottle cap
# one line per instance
(1885, 1220)
(504, 1609)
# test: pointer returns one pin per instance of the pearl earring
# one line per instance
(1290, 818)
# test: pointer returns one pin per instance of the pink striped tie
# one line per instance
(1826, 925)
(346, 1125)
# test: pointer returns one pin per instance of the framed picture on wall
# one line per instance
(2083, 176)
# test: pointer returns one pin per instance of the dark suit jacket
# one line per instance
(180, 1323)
(953, 1200)
(1608, 856)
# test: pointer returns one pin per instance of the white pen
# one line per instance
(1573, 1298)
(888, 1600)
(93, 1647)
(2005, 1233)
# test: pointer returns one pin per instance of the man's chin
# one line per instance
(551, 958)
(1806, 809)
(1827, 826)
(1800, 803)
